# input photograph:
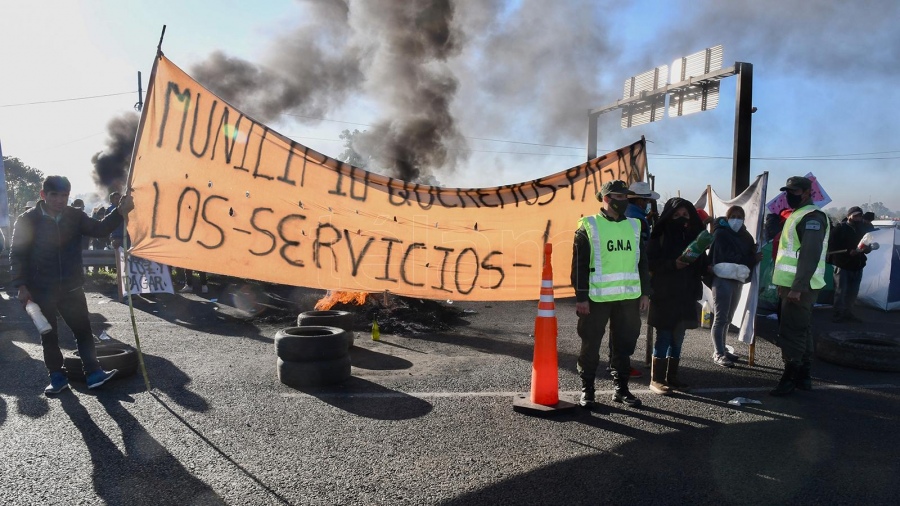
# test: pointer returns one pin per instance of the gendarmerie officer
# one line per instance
(612, 282)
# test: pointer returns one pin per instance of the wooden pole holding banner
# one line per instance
(648, 356)
(125, 238)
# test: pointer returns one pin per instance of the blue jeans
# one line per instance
(726, 295)
(668, 342)
(846, 289)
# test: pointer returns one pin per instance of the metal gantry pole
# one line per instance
(743, 114)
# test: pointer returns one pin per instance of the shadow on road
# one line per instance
(371, 400)
(802, 454)
(145, 471)
(165, 377)
(26, 386)
(374, 361)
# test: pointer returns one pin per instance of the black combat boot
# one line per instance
(621, 393)
(802, 379)
(787, 382)
(587, 393)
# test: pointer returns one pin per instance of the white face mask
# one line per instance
(735, 224)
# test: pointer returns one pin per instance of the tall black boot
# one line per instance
(802, 378)
(621, 394)
(787, 382)
(587, 393)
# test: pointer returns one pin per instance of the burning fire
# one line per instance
(331, 298)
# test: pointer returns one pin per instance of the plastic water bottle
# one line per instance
(40, 321)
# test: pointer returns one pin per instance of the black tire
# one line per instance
(861, 350)
(123, 358)
(301, 344)
(315, 373)
(328, 318)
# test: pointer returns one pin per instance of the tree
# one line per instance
(23, 183)
(879, 209)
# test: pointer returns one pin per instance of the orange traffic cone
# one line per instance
(544, 369)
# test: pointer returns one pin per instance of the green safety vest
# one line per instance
(789, 252)
(615, 252)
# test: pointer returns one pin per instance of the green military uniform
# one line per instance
(610, 273)
(800, 267)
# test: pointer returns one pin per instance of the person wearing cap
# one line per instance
(612, 283)
(46, 267)
(799, 275)
(85, 240)
(640, 204)
(849, 262)
(868, 218)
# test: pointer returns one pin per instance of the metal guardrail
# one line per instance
(89, 258)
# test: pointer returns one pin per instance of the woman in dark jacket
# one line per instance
(676, 289)
(732, 244)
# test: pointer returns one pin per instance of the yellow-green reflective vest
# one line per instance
(615, 252)
(789, 252)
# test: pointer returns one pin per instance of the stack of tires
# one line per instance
(327, 318)
(112, 354)
(311, 356)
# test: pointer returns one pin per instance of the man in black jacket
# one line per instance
(46, 267)
(848, 261)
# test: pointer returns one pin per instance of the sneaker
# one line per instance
(99, 377)
(58, 383)
(186, 289)
(636, 373)
(204, 289)
(723, 361)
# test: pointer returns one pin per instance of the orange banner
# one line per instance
(216, 191)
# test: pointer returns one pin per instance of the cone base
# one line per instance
(522, 404)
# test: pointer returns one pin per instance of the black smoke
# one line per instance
(308, 71)
(111, 165)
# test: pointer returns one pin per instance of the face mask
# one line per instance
(735, 224)
(618, 206)
(679, 222)
(794, 200)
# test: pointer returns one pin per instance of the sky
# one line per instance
(473, 93)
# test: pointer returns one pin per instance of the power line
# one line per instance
(664, 156)
(68, 99)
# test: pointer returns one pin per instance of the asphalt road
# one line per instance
(428, 419)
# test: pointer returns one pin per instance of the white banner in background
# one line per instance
(752, 200)
(142, 276)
